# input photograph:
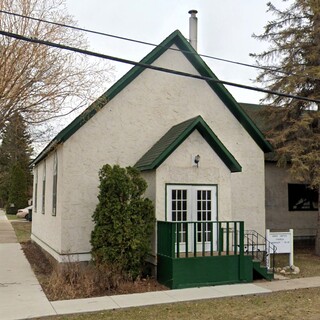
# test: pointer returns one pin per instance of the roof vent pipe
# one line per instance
(193, 29)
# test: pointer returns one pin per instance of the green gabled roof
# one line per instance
(180, 41)
(160, 151)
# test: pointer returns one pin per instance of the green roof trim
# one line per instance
(160, 151)
(181, 42)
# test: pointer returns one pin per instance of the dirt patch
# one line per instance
(305, 259)
(81, 280)
(37, 258)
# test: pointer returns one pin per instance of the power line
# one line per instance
(144, 42)
(148, 66)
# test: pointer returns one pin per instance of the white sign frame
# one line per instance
(283, 241)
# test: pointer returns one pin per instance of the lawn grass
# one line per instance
(22, 229)
(11, 217)
(295, 304)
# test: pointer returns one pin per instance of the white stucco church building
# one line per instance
(202, 156)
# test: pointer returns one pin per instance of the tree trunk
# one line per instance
(317, 244)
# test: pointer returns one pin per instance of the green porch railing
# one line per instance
(202, 253)
(200, 238)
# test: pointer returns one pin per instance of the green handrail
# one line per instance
(179, 239)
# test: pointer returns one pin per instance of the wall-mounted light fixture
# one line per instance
(197, 160)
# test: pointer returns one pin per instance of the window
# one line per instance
(193, 203)
(54, 187)
(302, 198)
(35, 189)
(43, 187)
(179, 210)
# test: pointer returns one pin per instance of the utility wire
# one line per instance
(274, 69)
(148, 66)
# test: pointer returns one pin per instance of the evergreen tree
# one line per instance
(18, 188)
(124, 220)
(15, 153)
(293, 66)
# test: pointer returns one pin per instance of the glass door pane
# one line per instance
(193, 203)
(179, 212)
(206, 211)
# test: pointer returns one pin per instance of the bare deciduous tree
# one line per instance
(37, 81)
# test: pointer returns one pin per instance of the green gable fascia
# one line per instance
(180, 41)
(134, 72)
(160, 151)
(223, 94)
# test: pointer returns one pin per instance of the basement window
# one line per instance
(302, 197)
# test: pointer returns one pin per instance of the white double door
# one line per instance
(193, 203)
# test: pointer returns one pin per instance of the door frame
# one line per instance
(193, 214)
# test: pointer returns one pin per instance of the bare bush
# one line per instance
(73, 279)
(70, 280)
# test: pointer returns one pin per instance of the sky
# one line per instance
(225, 29)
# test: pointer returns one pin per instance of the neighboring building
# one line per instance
(289, 204)
(202, 156)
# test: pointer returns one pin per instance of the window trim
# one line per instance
(55, 184)
(35, 189)
(44, 187)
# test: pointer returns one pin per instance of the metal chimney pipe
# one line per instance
(193, 29)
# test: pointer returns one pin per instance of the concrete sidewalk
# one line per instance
(180, 295)
(153, 298)
(21, 296)
(7, 234)
(290, 284)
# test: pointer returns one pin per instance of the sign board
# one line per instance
(283, 241)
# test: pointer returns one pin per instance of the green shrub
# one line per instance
(124, 220)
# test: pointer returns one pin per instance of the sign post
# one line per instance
(284, 243)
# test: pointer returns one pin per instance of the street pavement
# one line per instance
(21, 296)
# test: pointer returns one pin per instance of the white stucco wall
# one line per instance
(131, 123)
(46, 228)
(178, 169)
(150, 177)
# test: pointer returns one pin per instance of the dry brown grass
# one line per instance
(22, 229)
(79, 280)
(305, 259)
(72, 280)
(83, 280)
(76, 280)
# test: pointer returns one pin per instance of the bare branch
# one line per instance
(36, 81)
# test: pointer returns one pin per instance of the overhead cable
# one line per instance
(152, 67)
(273, 69)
